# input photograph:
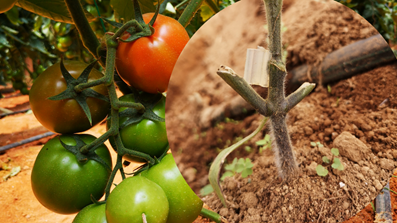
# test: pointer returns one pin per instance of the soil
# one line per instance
(357, 116)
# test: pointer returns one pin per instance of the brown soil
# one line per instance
(358, 117)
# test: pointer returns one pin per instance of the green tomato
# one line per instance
(65, 41)
(63, 184)
(135, 196)
(185, 205)
(6, 5)
(60, 28)
(93, 213)
(61, 48)
(146, 136)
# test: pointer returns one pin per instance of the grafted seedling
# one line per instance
(276, 105)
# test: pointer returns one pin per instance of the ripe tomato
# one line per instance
(147, 62)
(63, 184)
(135, 196)
(145, 136)
(93, 213)
(6, 5)
(65, 116)
(185, 205)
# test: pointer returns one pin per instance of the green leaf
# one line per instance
(337, 164)
(215, 168)
(39, 45)
(246, 172)
(231, 166)
(4, 41)
(226, 174)
(313, 144)
(206, 190)
(335, 151)
(13, 16)
(326, 160)
(52, 9)
(321, 171)
(206, 12)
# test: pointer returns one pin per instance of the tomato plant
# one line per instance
(145, 136)
(6, 5)
(147, 62)
(65, 116)
(185, 205)
(135, 196)
(64, 184)
(92, 213)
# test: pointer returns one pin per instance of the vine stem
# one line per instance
(211, 215)
(189, 12)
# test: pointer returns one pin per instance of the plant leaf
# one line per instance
(52, 9)
(246, 172)
(326, 160)
(206, 190)
(226, 174)
(335, 151)
(321, 171)
(217, 164)
(337, 164)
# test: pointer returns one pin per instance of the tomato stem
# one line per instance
(117, 167)
(211, 215)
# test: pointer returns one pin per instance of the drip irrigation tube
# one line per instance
(31, 139)
(345, 62)
(383, 206)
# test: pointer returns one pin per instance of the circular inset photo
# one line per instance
(313, 140)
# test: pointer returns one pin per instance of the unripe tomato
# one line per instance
(93, 213)
(65, 116)
(147, 62)
(63, 184)
(185, 205)
(135, 196)
(145, 136)
(65, 41)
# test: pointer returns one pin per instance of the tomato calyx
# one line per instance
(80, 97)
(148, 101)
(83, 158)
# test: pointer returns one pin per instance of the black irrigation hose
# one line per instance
(345, 62)
(15, 112)
(383, 206)
(31, 139)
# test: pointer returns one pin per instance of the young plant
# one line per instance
(275, 106)
(335, 164)
(265, 143)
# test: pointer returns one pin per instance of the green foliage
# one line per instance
(318, 144)
(382, 14)
(207, 189)
(336, 163)
(265, 143)
(52, 9)
(242, 166)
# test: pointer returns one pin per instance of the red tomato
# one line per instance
(147, 62)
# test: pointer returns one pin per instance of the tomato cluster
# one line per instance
(73, 171)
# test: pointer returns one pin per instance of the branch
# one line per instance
(90, 41)
(244, 89)
(189, 12)
(297, 96)
(273, 17)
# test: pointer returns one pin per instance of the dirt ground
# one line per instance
(356, 115)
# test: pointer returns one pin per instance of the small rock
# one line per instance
(334, 135)
(224, 212)
(386, 164)
(190, 174)
(377, 185)
(394, 153)
(345, 205)
(360, 176)
(308, 131)
(328, 131)
(311, 169)
(351, 147)
(327, 122)
(250, 199)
